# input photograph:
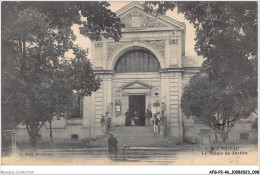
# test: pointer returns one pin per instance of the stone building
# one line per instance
(147, 68)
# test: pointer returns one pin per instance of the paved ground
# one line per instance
(244, 156)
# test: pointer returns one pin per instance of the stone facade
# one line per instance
(165, 39)
(162, 36)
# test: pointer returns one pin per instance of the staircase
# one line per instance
(141, 145)
(133, 154)
(133, 136)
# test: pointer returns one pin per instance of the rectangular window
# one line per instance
(120, 67)
(137, 69)
(128, 63)
(150, 63)
(146, 63)
(123, 65)
(156, 65)
(141, 62)
(132, 62)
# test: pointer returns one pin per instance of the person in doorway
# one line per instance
(162, 124)
(127, 118)
(103, 125)
(108, 122)
(148, 116)
(156, 122)
(159, 118)
(112, 145)
(132, 120)
(136, 118)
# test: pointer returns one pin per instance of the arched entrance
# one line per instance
(131, 47)
(137, 60)
(138, 67)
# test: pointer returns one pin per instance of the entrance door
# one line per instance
(137, 103)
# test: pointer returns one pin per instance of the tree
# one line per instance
(226, 35)
(36, 84)
(215, 107)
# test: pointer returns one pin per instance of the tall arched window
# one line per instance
(137, 61)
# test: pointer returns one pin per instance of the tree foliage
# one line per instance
(226, 35)
(217, 108)
(37, 83)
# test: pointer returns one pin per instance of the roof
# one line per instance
(134, 18)
(136, 85)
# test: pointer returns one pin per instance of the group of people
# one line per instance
(133, 119)
(105, 123)
(130, 120)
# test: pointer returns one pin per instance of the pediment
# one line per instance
(135, 19)
(136, 85)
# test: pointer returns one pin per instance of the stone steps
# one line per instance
(131, 136)
(132, 153)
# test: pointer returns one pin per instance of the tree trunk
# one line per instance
(22, 45)
(33, 134)
(33, 138)
(224, 136)
(50, 129)
(50, 122)
(216, 136)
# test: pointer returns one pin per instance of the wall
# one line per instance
(61, 131)
(119, 80)
(162, 36)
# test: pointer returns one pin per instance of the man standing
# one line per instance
(148, 116)
(112, 145)
(136, 118)
(155, 124)
(103, 125)
(108, 122)
(127, 118)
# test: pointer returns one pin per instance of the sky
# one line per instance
(85, 43)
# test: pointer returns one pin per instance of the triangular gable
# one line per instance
(134, 18)
(136, 85)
